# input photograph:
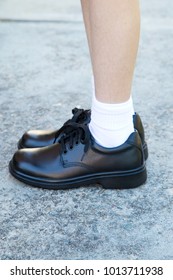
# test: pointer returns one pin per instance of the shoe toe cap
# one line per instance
(36, 162)
(20, 162)
(28, 140)
(36, 138)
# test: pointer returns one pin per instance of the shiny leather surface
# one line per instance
(37, 138)
(83, 159)
(139, 127)
(42, 138)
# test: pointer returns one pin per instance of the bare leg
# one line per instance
(86, 17)
(115, 28)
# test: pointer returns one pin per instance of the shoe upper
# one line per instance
(43, 138)
(139, 127)
(77, 154)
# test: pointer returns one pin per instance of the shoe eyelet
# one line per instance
(65, 152)
(71, 147)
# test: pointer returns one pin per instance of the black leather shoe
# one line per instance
(43, 138)
(78, 160)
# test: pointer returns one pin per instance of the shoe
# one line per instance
(77, 160)
(42, 138)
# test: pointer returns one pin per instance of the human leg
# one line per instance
(115, 28)
(86, 18)
(114, 38)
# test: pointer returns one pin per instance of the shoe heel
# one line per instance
(125, 182)
(145, 149)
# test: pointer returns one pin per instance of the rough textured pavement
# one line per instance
(44, 73)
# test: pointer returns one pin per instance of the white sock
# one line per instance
(111, 124)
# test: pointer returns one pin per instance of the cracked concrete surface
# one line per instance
(44, 73)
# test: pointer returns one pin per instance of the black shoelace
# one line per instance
(79, 116)
(77, 133)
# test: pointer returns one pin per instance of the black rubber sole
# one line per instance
(108, 180)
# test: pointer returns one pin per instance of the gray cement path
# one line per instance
(44, 73)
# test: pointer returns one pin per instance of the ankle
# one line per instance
(111, 124)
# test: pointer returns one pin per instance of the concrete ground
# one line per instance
(44, 73)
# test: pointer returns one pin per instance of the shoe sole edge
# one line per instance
(125, 180)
